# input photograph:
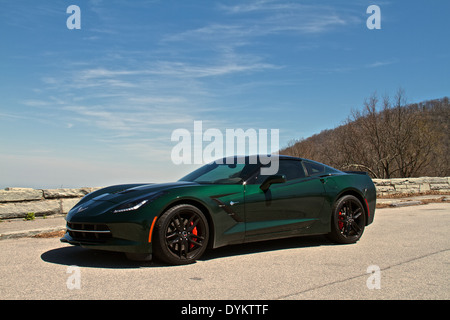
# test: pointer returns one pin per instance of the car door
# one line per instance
(284, 209)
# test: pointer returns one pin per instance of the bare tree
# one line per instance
(387, 138)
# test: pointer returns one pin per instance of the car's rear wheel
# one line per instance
(348, 220)
(181, 235)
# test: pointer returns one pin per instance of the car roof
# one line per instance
(286, 157)
(280, 156)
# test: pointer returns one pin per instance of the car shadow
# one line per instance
(81, 257)
(265, 246)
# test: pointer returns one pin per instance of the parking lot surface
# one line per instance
(404, 254)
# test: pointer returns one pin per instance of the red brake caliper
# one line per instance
(194, 232)
(340, 221)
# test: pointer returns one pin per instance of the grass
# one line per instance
(30, 216)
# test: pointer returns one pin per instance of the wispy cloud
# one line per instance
(186, 70)
(132, 99)
(29, 16)
(349, 68)
(276, 17)
(145, 94)
(378, 64)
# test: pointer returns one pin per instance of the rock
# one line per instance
(436, 186)
(67, 204)
(406, 203)
(20, 209)
(65, 193)
(20, 194)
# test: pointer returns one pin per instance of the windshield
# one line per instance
(221, 173)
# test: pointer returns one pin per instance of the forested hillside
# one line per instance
(387, 138)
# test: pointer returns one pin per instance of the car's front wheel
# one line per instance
(348, 220)
(181, 235)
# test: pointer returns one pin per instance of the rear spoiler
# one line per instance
(358, 172)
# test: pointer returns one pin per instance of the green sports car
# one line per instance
(225, 202)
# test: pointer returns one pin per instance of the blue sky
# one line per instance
(97, 106)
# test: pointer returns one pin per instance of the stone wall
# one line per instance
(412, 186)
(18, 202)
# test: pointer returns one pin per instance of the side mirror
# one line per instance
(276, 178)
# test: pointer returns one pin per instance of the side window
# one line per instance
(314, 168)
(292, 169)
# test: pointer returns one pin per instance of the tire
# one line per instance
(348, 220)
(181, 235)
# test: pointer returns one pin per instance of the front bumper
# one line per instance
(119, 237)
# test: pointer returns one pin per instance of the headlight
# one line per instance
(137, 203)
(130, 206)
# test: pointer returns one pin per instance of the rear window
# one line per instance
(314, 168)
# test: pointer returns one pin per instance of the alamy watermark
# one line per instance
(201, 147)
(74, 280)
(374, 280)
(374, 21)
(74, 20)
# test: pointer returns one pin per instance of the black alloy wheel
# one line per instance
(181, 235)
(348, 220)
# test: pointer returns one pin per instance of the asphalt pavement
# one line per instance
(403, 255)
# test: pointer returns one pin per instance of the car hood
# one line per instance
(106, 199)
(139, 191)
